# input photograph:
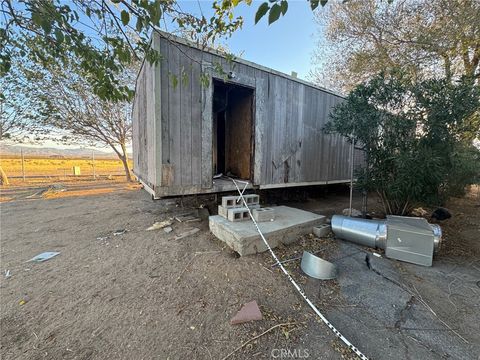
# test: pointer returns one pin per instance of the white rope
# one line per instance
(302, 293)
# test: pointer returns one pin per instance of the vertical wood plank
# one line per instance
(185, 84)
(174, 96)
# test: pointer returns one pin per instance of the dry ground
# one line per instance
(143, 295)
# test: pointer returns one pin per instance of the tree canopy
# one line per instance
(424, 38)
(102, 37)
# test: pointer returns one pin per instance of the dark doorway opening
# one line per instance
(232, 130)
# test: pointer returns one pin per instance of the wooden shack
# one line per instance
(197, 114)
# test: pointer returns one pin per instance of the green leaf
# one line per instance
(59, 36)
(284, 6)
(261, 11)
(139, 25)
(125, 16)
(274, 13)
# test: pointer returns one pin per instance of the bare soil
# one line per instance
(144, 295)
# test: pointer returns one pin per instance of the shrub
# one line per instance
(414, 137)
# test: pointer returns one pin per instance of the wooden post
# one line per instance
(352, 156)
(23, 165)
(93, 163)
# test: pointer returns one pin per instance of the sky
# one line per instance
(286, 45)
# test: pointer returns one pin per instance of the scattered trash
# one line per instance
(102, 238)
(119, 232)
(7, 274)
(217, 176)
(317, 268)
(441, 214)
(355, 212)
(377, 254)
(168, 229)
(249, 312)
(192, 327)
(160, 225)
(44, 256)
(419, 212)
(186, 233)
(189, 217)
(24, 300)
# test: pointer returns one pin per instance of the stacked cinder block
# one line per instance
(234, 209)
(263, 214)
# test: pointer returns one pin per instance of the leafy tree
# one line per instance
(425, 38)
(96, 35)
(412, 137)
(76, 114)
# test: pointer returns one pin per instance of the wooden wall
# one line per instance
(290, 147)
(144, 139)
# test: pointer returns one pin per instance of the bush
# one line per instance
(414, 136)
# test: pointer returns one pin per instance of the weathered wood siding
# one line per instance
(145, 140)
(290, 147)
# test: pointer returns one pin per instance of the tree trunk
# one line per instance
(128, 175)
(3, 177)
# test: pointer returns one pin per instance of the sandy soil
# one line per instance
(144, 295)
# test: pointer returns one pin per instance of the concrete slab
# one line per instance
(242, 236)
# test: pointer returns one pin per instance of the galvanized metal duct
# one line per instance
(403, 238)
(371, 233)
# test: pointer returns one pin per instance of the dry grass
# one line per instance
(60, 167)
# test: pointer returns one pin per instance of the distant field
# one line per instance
(60, 166)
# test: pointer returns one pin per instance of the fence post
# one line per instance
(93, 163)
(23, 165)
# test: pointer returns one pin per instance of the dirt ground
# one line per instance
(144, 295)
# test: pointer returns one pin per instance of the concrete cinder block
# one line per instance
(235, 201)
(222, 211)
(238, 214)
(252, 199)
(263, 214)
(231, 202)
(322, 230)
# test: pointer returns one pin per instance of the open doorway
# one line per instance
(232, 130)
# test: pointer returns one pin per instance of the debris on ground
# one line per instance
(168, 229)
(7, 274)
(249, 312)
(186, 233)
(24, 300)
(160, 225)
(317, 268)
(120, 232)
(441, 214)
(102, 238)
(419, 212)
(188, 217)
(44, 256)
(355, 212)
